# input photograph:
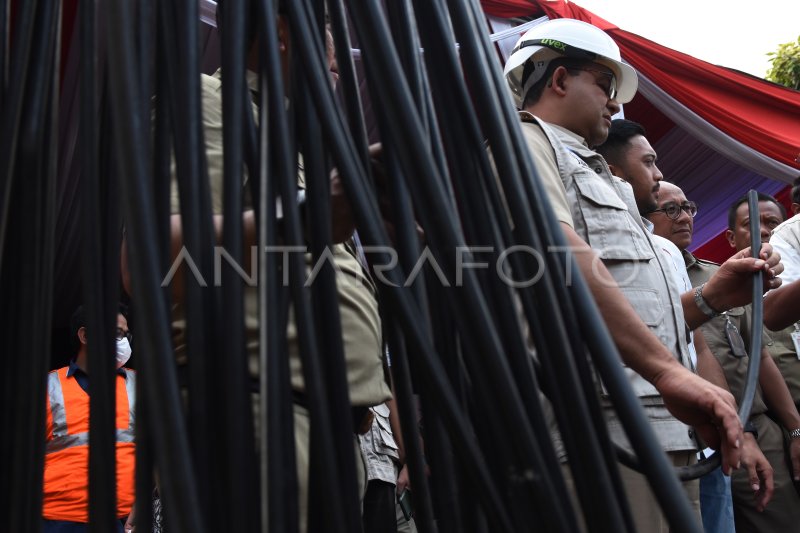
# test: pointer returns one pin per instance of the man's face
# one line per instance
(588, 99)
(679, 230)
(639, 169)
(122, 323)
(770, 216)
(330, 53)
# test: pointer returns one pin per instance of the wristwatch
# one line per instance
(702, 304)
(795, 433)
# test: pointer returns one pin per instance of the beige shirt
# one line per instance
(547, 168)
(358, 307)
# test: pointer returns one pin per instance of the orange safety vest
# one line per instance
(66, 462)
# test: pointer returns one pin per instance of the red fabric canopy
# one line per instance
(510, 8)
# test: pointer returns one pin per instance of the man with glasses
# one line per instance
(65, 506)
(568, 80)
(728, 337)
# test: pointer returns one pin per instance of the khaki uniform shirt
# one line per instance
(358, 307)
(602, 210)
(734, 367)
(781, 348)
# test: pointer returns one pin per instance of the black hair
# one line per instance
(619, 136)
(796, 190)
(762, 197)
(78, 320)
(535, 92)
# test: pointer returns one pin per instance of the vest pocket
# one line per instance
(611, 229)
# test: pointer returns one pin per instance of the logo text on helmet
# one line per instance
(555, 44)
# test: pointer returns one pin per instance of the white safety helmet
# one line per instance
(565, 38)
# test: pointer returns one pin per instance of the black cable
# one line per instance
(170, 437)
(100, 221)
(564, 343)
(325, 298)
(280, 510)
(347, 78)
(147, 29)
(324, 496)
(5, 5)
(197, 238)
(27, 283)
(757, 320)
(237, 406)
(368, 221)
(11, 112)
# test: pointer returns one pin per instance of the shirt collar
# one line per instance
(527, 116)
(74, 368)
(250, 76)
(689, 258)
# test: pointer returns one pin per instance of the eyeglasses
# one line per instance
(673, 210)
(122, 334)
(609, 87)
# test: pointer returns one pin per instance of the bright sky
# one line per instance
(731, 33)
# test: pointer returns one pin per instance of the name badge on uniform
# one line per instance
(735, 340)
(796, 339)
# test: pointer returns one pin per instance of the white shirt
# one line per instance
(790, 257)
(681, 277)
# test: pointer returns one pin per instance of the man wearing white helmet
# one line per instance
(568, 79)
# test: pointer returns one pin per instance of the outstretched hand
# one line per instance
(710, 410)
(731, 285)
(759, 472)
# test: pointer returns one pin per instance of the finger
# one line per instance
(773, 283)
(767, 488)
(731, 436)
(753, 477)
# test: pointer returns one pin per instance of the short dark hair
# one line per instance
(619, 135)
(535, 92)
(78, 320)
(796, 190)
(762, 197)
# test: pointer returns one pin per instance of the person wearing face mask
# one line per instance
(65, 506)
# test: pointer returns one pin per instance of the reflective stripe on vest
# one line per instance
(61, 439)
(56, 396)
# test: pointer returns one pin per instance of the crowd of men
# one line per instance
(681, 324)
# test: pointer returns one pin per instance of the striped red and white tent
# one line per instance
(718, 132)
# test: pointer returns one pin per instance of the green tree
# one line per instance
(786, 65)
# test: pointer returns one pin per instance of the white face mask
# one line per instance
(123, 352)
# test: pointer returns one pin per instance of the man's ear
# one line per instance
(82, 335)
(614, 170)
(729, 236)
(795, 208)
(557, 82)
